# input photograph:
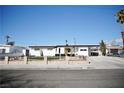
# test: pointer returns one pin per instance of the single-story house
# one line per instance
(77, 50)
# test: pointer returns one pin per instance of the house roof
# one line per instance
(63, 46)
(77, 45)
(42, 46)
(5, 45)
(9, 46)
(114, 47)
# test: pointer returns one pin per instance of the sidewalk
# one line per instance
(43, 66)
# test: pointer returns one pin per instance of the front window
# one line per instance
(37, 49)
(50, 48)
(83, 49)
(2, 50)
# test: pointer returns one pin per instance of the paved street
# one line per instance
(99, 78)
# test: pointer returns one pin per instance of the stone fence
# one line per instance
(26, 60)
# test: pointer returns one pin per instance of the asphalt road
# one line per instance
(97, 78)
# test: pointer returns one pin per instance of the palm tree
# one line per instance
(120, 16)
(120, 19)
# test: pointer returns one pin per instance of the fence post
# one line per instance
(7, 59)
(45, 59)
(26, 59)
(88, 59)
(67, 59)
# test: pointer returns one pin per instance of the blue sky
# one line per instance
(52, 25)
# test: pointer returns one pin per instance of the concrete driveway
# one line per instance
(106, 62)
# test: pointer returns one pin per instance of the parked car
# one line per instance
(122, 54)
(109, 54)
(116, 55)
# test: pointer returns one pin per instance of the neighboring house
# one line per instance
(111, 50)
(5, 48)
(12, 50)
(77, 50)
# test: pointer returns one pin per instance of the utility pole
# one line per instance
(74, 45)
(66, 41)
(66, 52)
(122, 33)
(120, 16)
(7, 39)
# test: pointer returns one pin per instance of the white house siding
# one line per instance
(83, 51)
(34, 52)
(42, 52)
(48, 52)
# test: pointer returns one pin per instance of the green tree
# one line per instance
(103, 47)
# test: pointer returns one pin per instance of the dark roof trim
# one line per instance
(41, 46)
(63, 46)
(78, 46)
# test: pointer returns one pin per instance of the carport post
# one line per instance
(88, 59)
(7, 59)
